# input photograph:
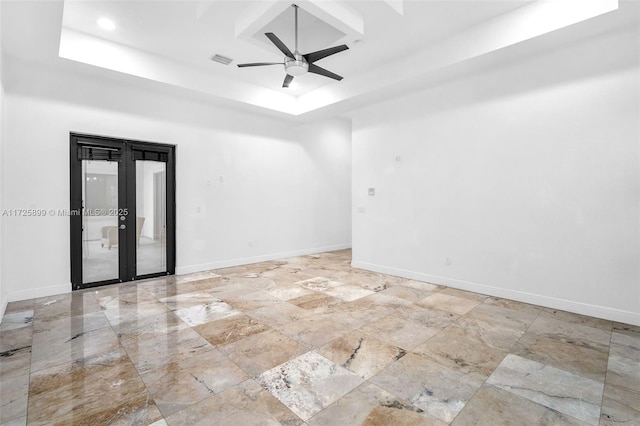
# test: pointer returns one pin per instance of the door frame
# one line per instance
(126, 199)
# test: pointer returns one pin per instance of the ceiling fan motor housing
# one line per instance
(296, 66)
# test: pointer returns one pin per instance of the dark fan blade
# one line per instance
(279, 44)
(316, 56)
(287, 80)
(321, 71)
(259, 64)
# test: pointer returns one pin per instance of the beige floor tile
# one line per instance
(15, 362)
(65, 306)
(184, 382)
(252, 301)
(623, 396)
(158, 351)
(624, 373)
(360, 353)
(243, 404)
(439, 391)
(22, 305)
(139, 330)
(574, 357)
(316, 302)
(615, 413)
(370, 405)
(576, 318)
(279, 314)
(494, 335)
(50, 351)
(263, 351)
(188, 300)
(411, 294)
(445, 302)
(330, 345)
(594, 338)
(229, 330)
(399, 332)
(458, 350)
(102, 389)
(13, 398)
(557, 389)
(513, 305)
(517, 319)
(476, 297)
(497, 407)
(313, 331)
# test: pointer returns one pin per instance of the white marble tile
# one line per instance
(309, 383)
(348, 292)
(624, 372)
(201, 314)
(21, 421)
(187, 300)
(15, 320)
(289, 292)
(13, 398)
(318, 284)
(560, 390)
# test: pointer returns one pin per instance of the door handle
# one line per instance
(123, 226)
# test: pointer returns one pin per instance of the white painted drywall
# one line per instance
(3, 291)
(525, 177)
(249, 187)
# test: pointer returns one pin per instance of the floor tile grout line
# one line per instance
(507, 353)
(606, 373)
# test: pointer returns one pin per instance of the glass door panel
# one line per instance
(151, 217)
(124, 195)
(100, 232)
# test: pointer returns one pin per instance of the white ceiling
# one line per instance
(171, 42)
(172, 29)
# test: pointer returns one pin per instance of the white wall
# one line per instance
(285, 190)
(3, 291)
(525, 177)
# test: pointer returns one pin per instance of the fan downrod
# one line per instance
(297, 65)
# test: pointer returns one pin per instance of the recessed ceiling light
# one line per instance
(106, 24)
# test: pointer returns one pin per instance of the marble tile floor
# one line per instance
(309, 341)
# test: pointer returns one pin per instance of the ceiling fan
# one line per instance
(296, 64)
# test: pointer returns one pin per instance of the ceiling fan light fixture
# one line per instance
(296, 67)
(296, 64)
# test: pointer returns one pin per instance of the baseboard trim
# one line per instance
(4, 301)
(181, 270)
(603, 312)
(33, 293)
(66, 288)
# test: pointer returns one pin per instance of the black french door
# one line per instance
(122, 210)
